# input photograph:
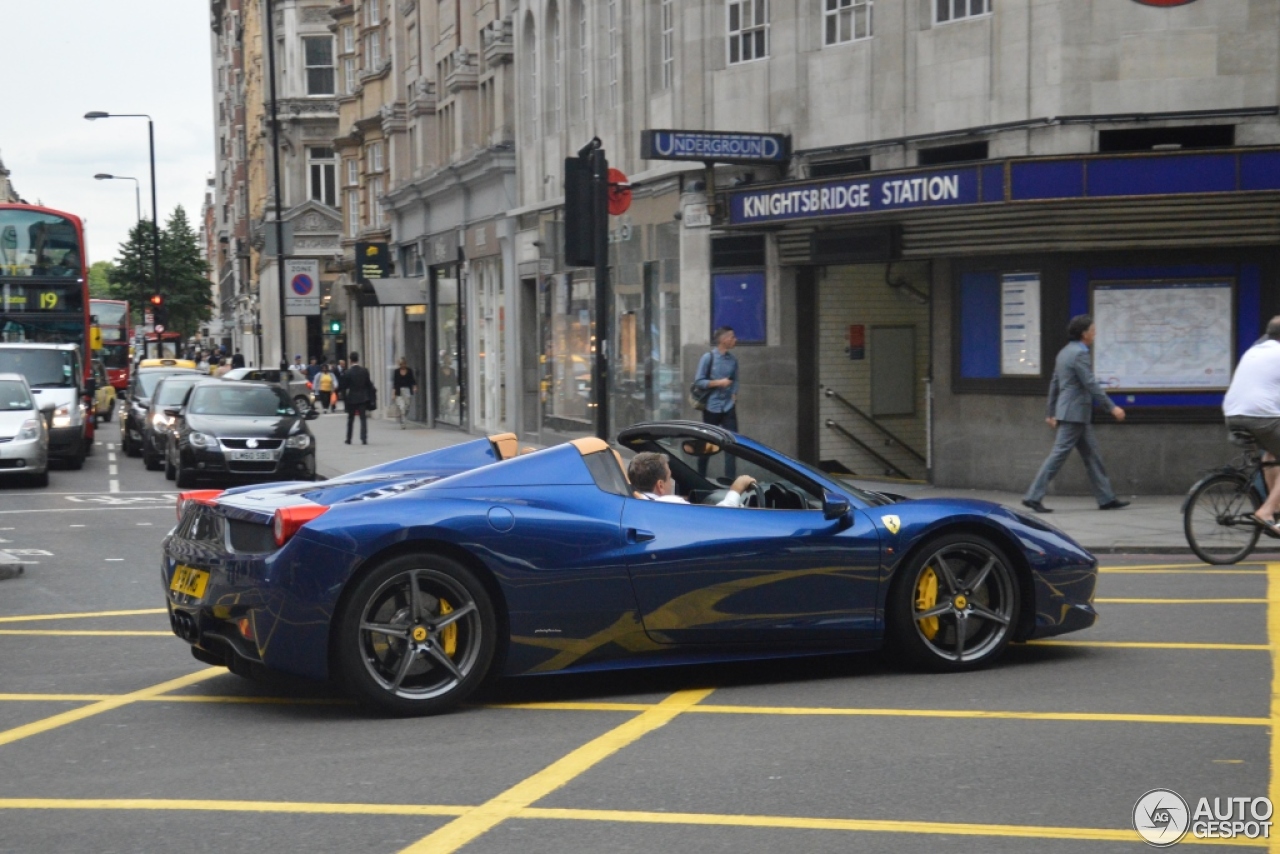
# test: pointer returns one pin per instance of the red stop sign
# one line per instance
(619, 193)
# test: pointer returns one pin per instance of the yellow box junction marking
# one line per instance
(41, 726)
(476, 822)
(87, 633)
(28, 618)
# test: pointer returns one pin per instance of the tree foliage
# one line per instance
(184, 279)
(99, 280)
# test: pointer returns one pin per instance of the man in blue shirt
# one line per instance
(718, 372)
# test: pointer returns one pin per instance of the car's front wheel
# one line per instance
(955, 605)
(417, 635)
(170, 470)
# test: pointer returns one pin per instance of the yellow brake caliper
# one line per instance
(450, 634)
(926, 598)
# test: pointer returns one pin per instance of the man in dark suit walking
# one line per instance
(1072, 393)
(358, 393)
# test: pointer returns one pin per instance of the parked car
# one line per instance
(55, 375)
(142, 384)
(239, 431)
(294, 382)
(169, 393)
(104, 398)
(412, 582)
(24, 431)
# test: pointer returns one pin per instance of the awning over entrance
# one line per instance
(400, 291)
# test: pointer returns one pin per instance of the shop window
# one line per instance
(1148, 139)
(961, 153)
(570, 305)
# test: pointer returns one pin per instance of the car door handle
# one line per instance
(637, 535)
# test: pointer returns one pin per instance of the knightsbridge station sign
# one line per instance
(709, 146)
(855, 196)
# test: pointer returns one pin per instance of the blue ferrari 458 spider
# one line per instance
(412, 582)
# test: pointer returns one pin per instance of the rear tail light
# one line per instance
(289, 519)
(200, 496)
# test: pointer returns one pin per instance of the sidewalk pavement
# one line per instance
(1151, 524)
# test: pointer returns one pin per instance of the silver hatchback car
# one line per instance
(24, 432)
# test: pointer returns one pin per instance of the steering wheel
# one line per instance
(753, 495)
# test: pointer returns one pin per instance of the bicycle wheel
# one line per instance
(1217, 519)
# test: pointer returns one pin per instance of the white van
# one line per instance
(56, 377)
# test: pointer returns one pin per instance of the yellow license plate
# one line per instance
(189, 581)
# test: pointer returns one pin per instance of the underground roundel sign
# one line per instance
(1164, 2)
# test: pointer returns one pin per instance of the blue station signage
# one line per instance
(710, 146)
(860, 195)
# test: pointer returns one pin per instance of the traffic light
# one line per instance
(159, 313)
(335, 327)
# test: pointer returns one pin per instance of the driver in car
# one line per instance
(650, 475)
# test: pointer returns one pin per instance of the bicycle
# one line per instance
(1217, 516)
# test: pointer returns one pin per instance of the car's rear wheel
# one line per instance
(106, 415)
(955, 605)
(417, 635)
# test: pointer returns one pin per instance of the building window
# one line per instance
(614, 53)
(375, 157)
(846, 21)
(318, 53)
(667, 24)
(353, 172)
(583, 57)
(955, 10)
(348, 39)
(748, 30)
(556, 71)
(377, 215)
(322, 169)
(373, 51)
(372, 13)
(353, 212)
(348, 75)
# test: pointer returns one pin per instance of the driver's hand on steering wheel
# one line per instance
(743, 481)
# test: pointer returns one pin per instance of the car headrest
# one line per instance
(505, 445)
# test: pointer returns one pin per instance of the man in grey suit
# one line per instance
(1072, 393)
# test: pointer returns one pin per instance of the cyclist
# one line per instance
(1252, 403)
(404, 385)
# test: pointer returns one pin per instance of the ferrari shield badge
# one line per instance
(893, 523)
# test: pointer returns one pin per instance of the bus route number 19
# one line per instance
(48, 300)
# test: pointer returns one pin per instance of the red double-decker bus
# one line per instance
(44, 288)
(116, 329)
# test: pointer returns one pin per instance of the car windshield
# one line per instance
(228, 399)
(42, 368)
(148, 380)
(174, 390)
(34, 243)
(13, 396)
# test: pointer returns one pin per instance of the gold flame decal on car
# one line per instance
(893, 523)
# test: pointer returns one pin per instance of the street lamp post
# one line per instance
(275, 159)
(155, 221)
(137, 191)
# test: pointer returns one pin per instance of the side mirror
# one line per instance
(834, 506)
(173, 413)
(311, 415)
(47, 405)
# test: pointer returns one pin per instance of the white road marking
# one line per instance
(144, 524)
(113, 470)
(77, 526)
(110, 559)
(111, 446)
(115, 485)
(31, 552)
(111, 457)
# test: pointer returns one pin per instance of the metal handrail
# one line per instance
(867, 448)
(876, 424)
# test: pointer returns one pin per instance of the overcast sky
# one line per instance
(64, 58)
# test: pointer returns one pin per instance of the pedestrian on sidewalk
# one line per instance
(358, 392)
(404, 387)
(1072, 392)
(326, 385)
(718, 373)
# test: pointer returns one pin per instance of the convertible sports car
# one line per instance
(412, 582)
